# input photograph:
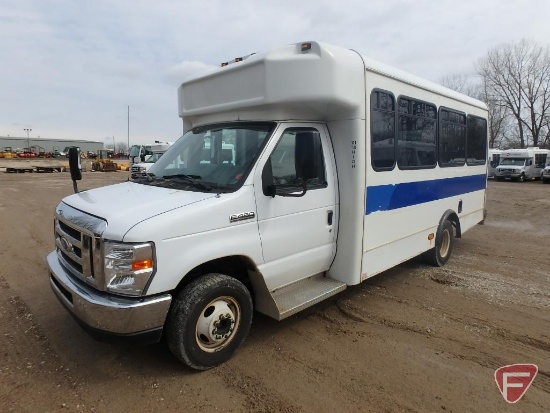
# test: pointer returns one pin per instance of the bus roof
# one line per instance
(316, 82)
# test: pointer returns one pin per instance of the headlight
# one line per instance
(128, 267)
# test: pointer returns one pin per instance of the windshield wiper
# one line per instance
(193, 179)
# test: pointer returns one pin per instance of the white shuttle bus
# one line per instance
(340, 168)
(522, 164)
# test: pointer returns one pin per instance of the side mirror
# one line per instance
(308, 164)
(74, 166)
(268, 186)
(307, 155)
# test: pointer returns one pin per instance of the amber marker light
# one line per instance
(142, 265)
(431, 237)
(306, 46)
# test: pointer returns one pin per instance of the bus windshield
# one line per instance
(513, 161)
(217, 157)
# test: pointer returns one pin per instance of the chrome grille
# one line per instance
(78, 244)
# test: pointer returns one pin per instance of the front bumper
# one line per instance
(107, 317)
(508, 174)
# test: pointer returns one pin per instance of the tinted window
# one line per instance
(283, 160)
(452, 138)
(382, 130)
(476, 142)
(416, 134)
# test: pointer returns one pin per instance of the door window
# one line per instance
(287, 163)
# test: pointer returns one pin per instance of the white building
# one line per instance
(38, 145)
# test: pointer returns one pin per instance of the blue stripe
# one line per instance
(388, 197)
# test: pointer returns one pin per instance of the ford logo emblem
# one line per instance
(66, 245)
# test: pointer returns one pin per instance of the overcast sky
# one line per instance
(70, 68)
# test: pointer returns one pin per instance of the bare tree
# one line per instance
(462, 83)
(517, 76)
(499, 120)
(121, 147)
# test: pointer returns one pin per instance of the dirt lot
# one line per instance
(414, 339)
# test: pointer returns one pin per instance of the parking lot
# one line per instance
(413, 339)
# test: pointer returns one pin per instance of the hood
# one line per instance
(510, 167)
(127, 204)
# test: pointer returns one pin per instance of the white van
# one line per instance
(140, 169)
(521, 164)
(304, 170)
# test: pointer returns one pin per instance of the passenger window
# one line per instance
(283, 160)
(416, 134)
(382, 130)
(452, 138)
(476, 141)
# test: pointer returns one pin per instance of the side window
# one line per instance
(452, 138)
(476, 141)
(285, 168)
(416, 134)
(382, 130)
(540, 160)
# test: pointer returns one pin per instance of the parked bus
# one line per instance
(522, 164)
(339, 168)
(138, 153)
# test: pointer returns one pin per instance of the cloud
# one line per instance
(176, 74)
(70, 69)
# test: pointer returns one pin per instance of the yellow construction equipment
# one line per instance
(102, 163)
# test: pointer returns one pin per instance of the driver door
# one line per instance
(297, 229)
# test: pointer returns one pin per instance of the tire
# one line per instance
(500, 178)
(521, 178)
(440, 254)
(209, 320)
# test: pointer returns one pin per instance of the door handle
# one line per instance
(329, 217)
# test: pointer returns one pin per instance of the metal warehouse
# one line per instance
(38, 145)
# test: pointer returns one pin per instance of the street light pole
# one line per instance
(28, 138)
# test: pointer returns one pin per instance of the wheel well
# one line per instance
(236, 266)
(453, 217)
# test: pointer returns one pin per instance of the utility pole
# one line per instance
(28, 138)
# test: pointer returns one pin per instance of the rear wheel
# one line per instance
(440, 254)
(209, 320)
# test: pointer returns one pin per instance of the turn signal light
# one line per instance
(142, 265)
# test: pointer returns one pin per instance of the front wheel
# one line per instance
(209, 320)
(521, 178)
(440, 254)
